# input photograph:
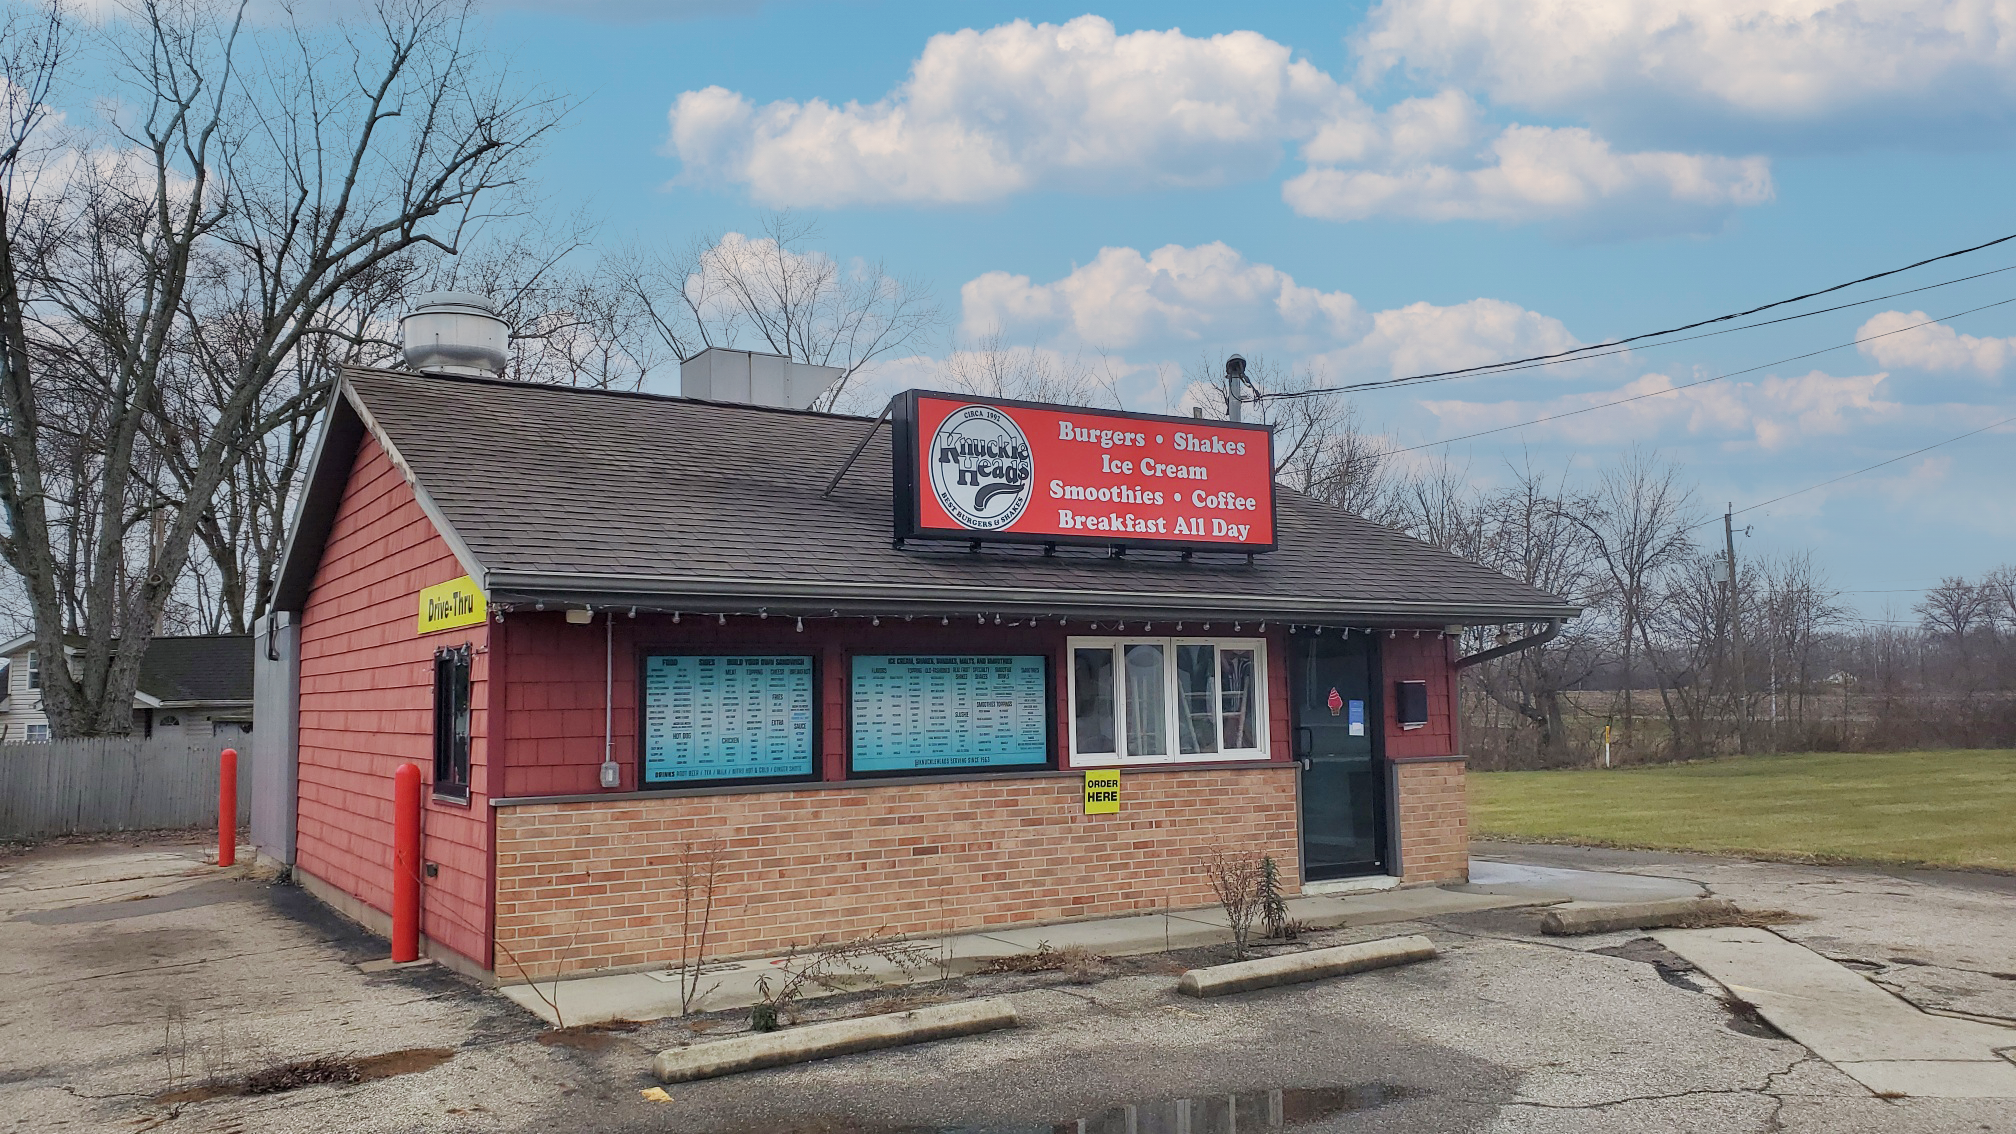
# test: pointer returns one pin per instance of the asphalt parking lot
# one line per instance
(138, 974)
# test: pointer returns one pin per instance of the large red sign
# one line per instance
(989, 469)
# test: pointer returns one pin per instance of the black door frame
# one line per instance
(1386, 822)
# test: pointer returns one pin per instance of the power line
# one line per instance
(1700, 382)
(1558, 355)
(1513, 367)
(1872, 468)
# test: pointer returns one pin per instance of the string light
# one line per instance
(801, 625)
(721, 619)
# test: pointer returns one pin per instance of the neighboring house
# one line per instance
(198, 687)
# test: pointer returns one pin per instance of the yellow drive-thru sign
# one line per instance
(1102, 791)
(445, 606)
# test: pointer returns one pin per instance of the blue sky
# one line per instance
(1369, 190)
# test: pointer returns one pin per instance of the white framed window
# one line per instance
(34, 670)
(38, 734)
(1144, 700)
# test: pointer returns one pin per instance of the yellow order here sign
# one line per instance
(444, 606)
(1102, 791)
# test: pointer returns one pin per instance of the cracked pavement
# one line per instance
(137, 969)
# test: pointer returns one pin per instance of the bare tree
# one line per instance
(990, 368)
(1640, 517)
(274, 169)
(774, 292)
(1524, 532)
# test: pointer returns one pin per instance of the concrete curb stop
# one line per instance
(1314, 964)
(823, 1041)
(1576, 920)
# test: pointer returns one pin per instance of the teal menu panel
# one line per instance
(728, 717)
(924, 712)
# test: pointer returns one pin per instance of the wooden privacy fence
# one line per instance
(66, 787)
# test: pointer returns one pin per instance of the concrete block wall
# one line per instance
(1434, 819)
(594, 885)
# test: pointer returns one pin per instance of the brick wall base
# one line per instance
(596, 885)
(1434, 820)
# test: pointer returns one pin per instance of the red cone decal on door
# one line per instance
(1336, 702)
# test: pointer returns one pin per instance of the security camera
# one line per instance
(1235, 367)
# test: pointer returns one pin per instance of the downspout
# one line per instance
(612, 776)
(1542, 638)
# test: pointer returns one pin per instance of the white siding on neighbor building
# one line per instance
(24, 714)
(24, 705)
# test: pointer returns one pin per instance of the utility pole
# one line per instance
(1736, 633)
(1235, 375)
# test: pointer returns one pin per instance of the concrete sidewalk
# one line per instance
(1876, 1039)
(728, 985)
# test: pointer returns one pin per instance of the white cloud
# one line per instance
(1176, 302)
(987, 113)
(1931, 346)
(1173, 295)
(1422, 338)
(1863, 65)
(1773, 413)
(1536, 173)
(1078, 106)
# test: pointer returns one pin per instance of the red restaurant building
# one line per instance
(869, 660)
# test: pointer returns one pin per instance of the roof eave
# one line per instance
(787, 596)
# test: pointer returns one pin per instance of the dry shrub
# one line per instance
(1239, 879)
(1079, 964)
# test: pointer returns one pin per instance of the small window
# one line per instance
(1166, 700)
(1412, 708)
(38, 733)
(451, 722)
(35, 671)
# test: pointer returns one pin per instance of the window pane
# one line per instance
(1092, 676)
(1238, 693)
(1147, 702)
(462, 660)
(1196, 720)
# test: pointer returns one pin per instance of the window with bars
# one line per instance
(451, 722)
(1167, 700)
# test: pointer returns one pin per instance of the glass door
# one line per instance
(1336, 741)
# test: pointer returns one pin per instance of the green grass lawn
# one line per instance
(1950, 808)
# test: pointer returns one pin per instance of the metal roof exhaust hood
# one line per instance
(454, 332)
(754, 378)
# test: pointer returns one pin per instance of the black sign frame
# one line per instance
(907, 486)
(1050, 745)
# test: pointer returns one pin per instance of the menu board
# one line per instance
(733, 717)
(913, 713)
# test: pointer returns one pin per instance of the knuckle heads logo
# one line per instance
(981, 468)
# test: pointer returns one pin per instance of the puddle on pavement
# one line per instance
(1282, 1108)
(310, 1072)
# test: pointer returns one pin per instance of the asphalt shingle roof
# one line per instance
(558, 490)
(200, 668)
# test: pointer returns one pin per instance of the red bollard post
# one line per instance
(406, 864)
(227, 807)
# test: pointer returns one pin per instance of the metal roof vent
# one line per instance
(454, 332)
(722, 374)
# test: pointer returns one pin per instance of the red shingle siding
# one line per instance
(367, 706)
(586, 886)
(1427, 658)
